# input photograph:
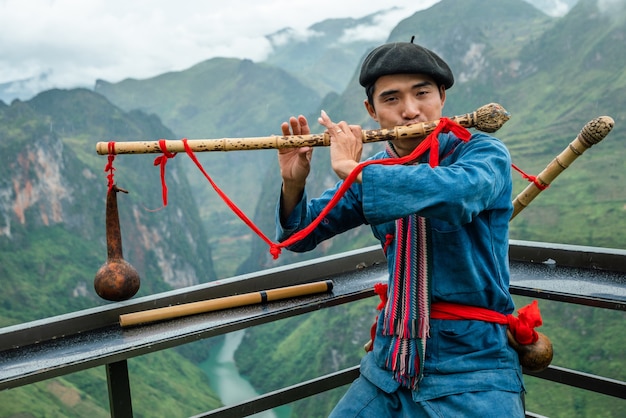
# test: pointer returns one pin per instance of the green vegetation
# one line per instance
(163, 384)
(585, 339)
(549, 73)
(52, 242)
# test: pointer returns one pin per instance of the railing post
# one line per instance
(120, 401)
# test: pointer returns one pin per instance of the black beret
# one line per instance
(404, 58)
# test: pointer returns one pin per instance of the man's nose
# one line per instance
(411, 109)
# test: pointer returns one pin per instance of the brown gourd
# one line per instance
(533, 357)
(116, 280)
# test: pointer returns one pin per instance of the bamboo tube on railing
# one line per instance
(253, 298)
(488, 118)
(592, 133)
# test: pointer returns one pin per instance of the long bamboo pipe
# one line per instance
(592, 133)
(192, 308)
(538, 355)
(488, 118)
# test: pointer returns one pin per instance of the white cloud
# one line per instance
(75, 42)
(289, 35)
(609, 6)
(559, 8)
(379, 31)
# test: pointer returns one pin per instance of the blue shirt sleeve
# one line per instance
(468, 181)
(346, 214)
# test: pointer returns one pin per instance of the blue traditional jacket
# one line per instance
(468, 202)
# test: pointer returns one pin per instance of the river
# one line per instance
(226, 381)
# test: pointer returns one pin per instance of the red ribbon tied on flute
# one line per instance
(162, 161)
(431, 142)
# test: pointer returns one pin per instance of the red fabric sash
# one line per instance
(522, 327)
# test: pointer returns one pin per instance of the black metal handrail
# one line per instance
(40, 349)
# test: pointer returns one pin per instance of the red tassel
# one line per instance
(381, 290)
(162, 161)
(523, 327)
(109, 166)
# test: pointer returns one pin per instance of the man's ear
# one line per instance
(442, 94)
(370, 109)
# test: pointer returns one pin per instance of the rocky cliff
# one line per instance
(52, 195)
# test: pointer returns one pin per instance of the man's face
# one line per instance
(404, 99)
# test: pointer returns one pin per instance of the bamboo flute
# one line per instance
(488, 118)
(253, 298)
(592, 133)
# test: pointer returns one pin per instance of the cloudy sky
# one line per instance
(75, 42)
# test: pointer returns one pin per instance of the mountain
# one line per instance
(52, 207)
(52, 242)
(553, 7)
(566, 78)
(553, 77)
(25, 88)
(332, 47)
(214, 99)
(199, 101)
(549, 73)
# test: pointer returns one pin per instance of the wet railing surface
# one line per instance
(65, 344)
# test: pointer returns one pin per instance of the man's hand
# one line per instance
(346, 146)
(295, 165)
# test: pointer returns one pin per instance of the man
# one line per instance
(443, 223)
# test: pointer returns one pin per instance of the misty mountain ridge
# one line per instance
(285, 38)
(332, 47)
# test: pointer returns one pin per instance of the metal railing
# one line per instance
(65, 344)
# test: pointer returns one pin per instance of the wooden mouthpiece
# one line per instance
(596, 130)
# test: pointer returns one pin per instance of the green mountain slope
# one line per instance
(215, 99)
(571, 77)
(53, 189)
(185, 392)
(519, 61)
(221, 96)
(52, 241)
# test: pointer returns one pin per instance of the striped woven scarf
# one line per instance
(408, 305)
(407, 311)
